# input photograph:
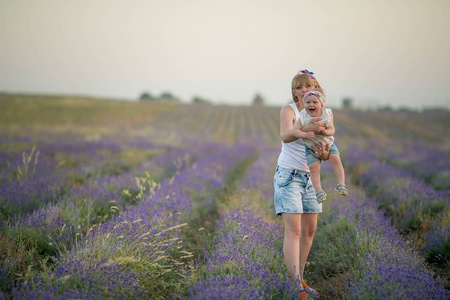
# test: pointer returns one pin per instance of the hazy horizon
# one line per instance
(376, 52)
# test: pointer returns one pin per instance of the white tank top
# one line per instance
(293, 154)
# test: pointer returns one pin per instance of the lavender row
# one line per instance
(245, 261)
(429, 162)
(81, 169)
(385, 265)
(55, 226)
(427, 126)
(414, 206)
(146, 240)
(235, 124)
(261, 172)
(33, 178)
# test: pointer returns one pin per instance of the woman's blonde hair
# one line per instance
(302, 79)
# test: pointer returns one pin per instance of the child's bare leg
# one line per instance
(338, 169)
(314, 170)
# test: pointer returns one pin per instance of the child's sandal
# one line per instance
(312, 293)
(341, 189)
(321, 196)
(303, 294)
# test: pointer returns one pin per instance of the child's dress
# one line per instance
(326, 119)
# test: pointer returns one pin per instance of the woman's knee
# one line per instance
(308, 231)
(292, 227)
(309, 225)
(292, 232)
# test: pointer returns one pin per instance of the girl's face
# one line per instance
(301, 88)
(313, 106)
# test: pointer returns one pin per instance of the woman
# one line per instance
(295, 197)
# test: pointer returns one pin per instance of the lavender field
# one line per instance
(105, 199)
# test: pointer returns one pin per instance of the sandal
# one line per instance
(321, 196)
(303, 294)
(311, 292)
(341, 189)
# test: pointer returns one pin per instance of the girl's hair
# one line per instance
(302, 79)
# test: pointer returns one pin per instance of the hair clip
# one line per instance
(305, 71)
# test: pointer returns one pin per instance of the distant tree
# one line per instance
(197, 99)
(435, 108)
(404, 108)
(347, 103)
(145, 96)
(258, 100)
(385, 108)
(167, 95)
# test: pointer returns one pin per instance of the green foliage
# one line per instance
(335, 248)
(145, 185)
(161, 260)
(347, 103)
(198, 99)
(28, 165)
(439, 255)
(113, 168)
(167, 96)
(385, 108)
(86, 115)
(145, 96)
(27, 251)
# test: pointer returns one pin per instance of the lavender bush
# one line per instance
(355, 242)
(147, 238)
(245, 261)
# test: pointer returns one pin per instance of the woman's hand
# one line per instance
(321, 152)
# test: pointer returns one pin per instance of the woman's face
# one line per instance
(301, 88)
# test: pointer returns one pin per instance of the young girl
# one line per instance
(313, 108)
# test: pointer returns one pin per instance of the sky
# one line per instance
(378, 53)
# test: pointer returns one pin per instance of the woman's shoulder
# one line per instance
(287, 108)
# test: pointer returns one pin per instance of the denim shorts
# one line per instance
(310, 159)
(294, 192)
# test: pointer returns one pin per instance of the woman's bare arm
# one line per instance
(287, 118)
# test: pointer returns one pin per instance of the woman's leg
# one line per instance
(308, 228)
(314, 170)
(291, 249)
(338, 169)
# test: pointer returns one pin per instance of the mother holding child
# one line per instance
(306, 129)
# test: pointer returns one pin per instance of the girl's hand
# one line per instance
(310, 135)
(314, 125)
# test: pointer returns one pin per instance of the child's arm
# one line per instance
(298, 133)
(330, 130)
